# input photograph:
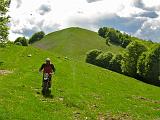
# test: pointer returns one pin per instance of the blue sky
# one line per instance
(140, 18)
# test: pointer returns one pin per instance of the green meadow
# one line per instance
(81, 91)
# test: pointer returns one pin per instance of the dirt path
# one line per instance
(5, 72)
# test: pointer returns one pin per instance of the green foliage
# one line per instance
(21, 40)
(107, 41)
(149, 64)
(4, 19)
(102, 32)
(115, 63)
(106, 60)
(125, 42)
(10, 42)
(115, 36)
(130, 58)
(91, 56)
(36, 37)
(103, 59)
(18, 43)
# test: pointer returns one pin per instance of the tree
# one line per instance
(130, 58)
(18, 43)
(125, 42)
(21, 40)
(36, 37)
(113, 35)
(107, 41)
(102, 32)
(115, 63)
(103, 59)
(149, 64)
(4, 19)
(91, 56)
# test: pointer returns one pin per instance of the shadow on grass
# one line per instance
(1, 63)
(151, 82)
(47, 94)
(155, 83)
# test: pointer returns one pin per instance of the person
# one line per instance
(49, 68)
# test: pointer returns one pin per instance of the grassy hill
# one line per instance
(80, 91)
(74, 43)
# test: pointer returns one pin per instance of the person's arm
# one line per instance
(53, 68)
(41, 68)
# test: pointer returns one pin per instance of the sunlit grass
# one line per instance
(80, 90)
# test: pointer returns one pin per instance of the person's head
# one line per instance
(48, 61)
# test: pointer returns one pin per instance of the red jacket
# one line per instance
(47, 68)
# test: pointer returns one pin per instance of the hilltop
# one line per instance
(74, 42)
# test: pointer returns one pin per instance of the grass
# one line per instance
(74, 43)
(80, 91)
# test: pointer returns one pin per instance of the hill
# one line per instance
(80, 91)
(74, 43)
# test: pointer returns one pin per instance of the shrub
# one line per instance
(91, 56)
(113, 35)
(102, 32)
(115, 63)
(36, 37)
(149, 64)
(18, 43)
(130, 58)
(21, 40)
(103, 59)
(125, 42)
(107, 41)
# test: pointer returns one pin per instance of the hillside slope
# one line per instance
(81, 91)
(74, 43)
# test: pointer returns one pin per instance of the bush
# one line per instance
(103, 59)
(125, 42)
(102, 32)
(107, 41)
(149, 64)
(21, 40)
(18, 43)
(130, 58)
(115, 63)
(141, 65)
(91, 56)
(36, 37)
(115, 36)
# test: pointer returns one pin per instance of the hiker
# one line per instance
(49, 68)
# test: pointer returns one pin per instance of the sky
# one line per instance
(140, 18)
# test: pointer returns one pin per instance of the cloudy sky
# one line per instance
(140, 18)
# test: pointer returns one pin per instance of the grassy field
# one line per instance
(80, 91)
(74, 43)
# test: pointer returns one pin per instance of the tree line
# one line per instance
(114, 36)
(35, 37)
(136, 61)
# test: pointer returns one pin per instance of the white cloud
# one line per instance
(150, 30)
(44, 8)
(90, 1)
(19, 2)
(50, 15)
